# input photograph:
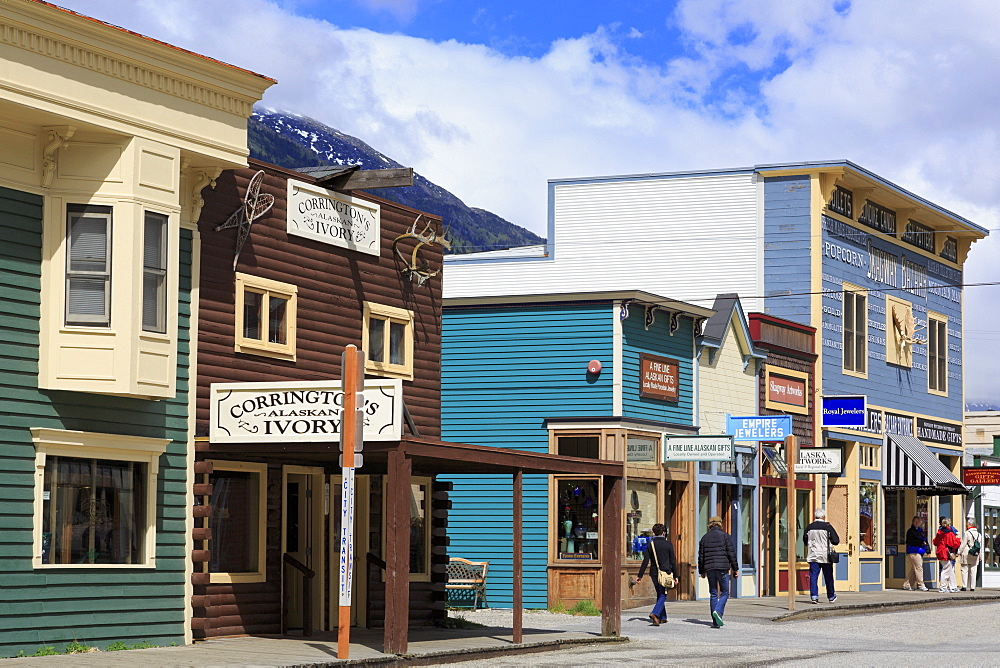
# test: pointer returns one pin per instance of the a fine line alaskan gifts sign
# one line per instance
(307, 411)
(698, 449)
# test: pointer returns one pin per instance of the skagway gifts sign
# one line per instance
(658, 377)
(786, 391)
(300, 411)
(333, 218)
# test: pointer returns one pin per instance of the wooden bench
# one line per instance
(466, 580)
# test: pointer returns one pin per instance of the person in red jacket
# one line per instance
(946, 545)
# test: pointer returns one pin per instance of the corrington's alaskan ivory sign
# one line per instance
(333, 218)
(301, 411)
(658, 377)
(698, 449)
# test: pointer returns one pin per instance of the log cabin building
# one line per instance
(294, 267)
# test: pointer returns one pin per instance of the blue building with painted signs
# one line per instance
(875, 269)
(603, 375)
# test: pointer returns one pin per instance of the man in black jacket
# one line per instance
(716, 560)
(662, 559)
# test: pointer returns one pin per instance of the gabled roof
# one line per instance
(728, 313)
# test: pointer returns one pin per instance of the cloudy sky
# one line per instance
(491, 98)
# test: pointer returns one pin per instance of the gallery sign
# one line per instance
(307, 411)
(820, 460)
(333, 218)
(981, 475)
(939, 432)
(759, 427)
(658, 377)
(849, 411)
(786, 391)
(698, 449)
(639, 450)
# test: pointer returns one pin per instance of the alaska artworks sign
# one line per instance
(333, 218)
(300, 411)
(658, 377)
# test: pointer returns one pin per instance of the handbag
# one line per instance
(665, 579)
(832, 556)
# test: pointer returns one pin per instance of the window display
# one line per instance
(578, 519)
(640, 516)
(868, 508)
(747, 527)
(991, 537)
(235, 521)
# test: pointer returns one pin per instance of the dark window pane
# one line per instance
(376, 339)
(397, 339)
(579, 446)
(276, 320)
(235, 521)
(252, 304)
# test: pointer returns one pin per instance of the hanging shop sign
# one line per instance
(786, 391)
(820, 460)
(698, 449)
(939, 432)
(658, 377)
(981, 475)
(301, 411)
(845, 410)
(333, 218)
(759, 427)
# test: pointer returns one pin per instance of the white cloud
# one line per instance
(906, 88)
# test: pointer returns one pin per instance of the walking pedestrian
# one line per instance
(820, 537)
(968, 551)
(659, 556)
(716, 560)
(916, 548)
(946, 545)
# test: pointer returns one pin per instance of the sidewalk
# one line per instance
(543, 632)
(775, 609)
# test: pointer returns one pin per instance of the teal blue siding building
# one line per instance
(515, 375)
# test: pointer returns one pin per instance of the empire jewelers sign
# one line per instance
(658, 377)
(300, 411)
(333, 218)
(759, 427)
(698, 449)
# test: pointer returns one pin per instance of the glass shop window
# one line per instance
(236, 521)
(578, 519)
(93, 511)
(579, 446)
(868, 509)
(640, 516)
(991, 537)
(803, 514)
(420, 530)
(747, 527)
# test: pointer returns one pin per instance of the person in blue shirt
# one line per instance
(916, 548)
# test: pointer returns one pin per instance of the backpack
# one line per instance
(975, 547)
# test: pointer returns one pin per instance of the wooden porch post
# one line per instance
(611, 556)
(518, 560)
(397, 562)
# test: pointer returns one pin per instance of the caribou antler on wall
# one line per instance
(255, 205)
(417, 269)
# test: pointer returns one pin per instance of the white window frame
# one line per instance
(389, 314)
(259, 575)
(93, 445)
(82, 320)
(852, 370)
(942, 352)
(267, 287)
(160, 271)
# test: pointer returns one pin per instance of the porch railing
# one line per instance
(307, 575)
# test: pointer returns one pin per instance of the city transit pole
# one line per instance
(351, 438)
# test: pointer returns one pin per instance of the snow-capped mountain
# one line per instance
(294, 141)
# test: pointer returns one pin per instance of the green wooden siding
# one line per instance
(93, 606)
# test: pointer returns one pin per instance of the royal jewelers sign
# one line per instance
(333, 218)
(698, 449)
(300, 411)
(845, 410)
(658, 377)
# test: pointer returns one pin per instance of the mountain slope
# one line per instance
(295, 141)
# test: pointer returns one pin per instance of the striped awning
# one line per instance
(909, 464)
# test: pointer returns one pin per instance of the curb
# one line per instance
(453, 656)
(895, 606)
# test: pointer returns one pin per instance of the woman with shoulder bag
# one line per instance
(659, 556)
(946, 545)
(968, 552)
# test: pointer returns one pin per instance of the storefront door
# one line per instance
(302, 539)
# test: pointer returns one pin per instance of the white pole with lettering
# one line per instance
(351, 439)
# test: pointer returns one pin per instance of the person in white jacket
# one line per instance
(970, 562)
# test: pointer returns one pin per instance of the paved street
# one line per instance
(944, 636)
